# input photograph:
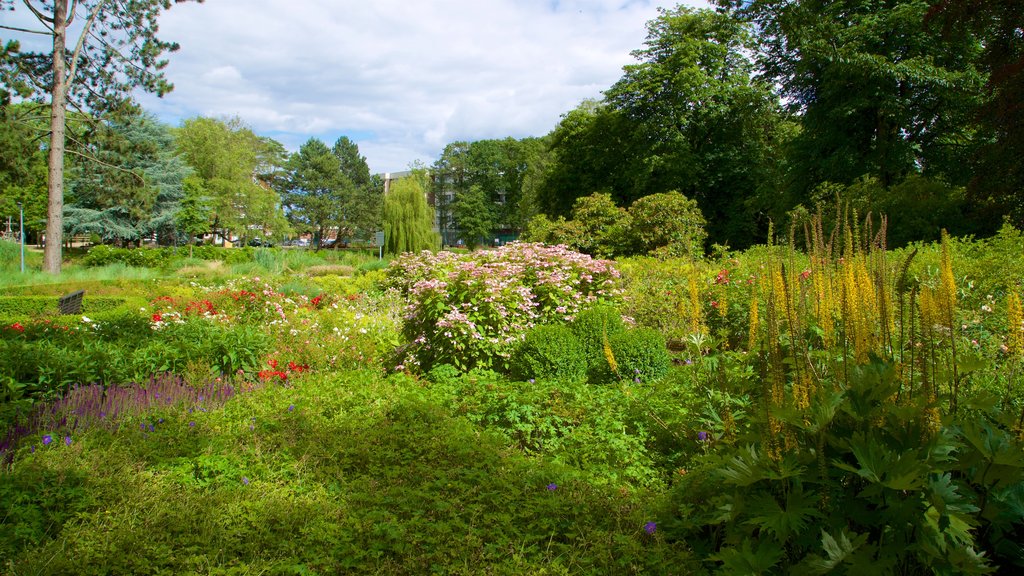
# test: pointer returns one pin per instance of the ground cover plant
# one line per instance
(816, 405)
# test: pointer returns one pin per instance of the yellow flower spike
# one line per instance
(1015, 325)
(754, 324)
(696, 311)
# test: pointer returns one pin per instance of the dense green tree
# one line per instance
(361, 207)
(116, 52)
(131, 186)
(22, 167)
(408, 218)
(997, 186)
(193, 216)
(668, 224)
(448, 179)
(237, 169)
(316, 190)
(497, 167)
(691, 116)
(476, 215)
(878, 91)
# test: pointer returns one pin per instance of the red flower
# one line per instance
(272, 363)
(714, 304)
(297, 367)
(157, 317)
(271, 374)
(17, 327)
(723, 277)
(315, 302)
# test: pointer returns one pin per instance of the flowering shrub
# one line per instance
(472, 309)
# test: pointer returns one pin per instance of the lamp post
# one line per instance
(21, 234)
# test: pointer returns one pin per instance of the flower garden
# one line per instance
(819, 405)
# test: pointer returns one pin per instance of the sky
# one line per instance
(401, 78)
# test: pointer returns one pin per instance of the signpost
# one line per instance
(378, 239)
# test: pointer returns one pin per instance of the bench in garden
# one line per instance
(71, 303)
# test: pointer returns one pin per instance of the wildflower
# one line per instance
(291, 407)
(702, 436)
(157, 317)
(67, 440)
(552, 487)
(245, 480)
(17, 327)
(47, 439)
(192, 424)
(650, 527)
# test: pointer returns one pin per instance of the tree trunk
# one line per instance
(58, 111)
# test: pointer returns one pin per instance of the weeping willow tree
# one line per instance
(408, 219)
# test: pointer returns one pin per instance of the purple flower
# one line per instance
(32, 448)
(650, 527)
(191, 424)
(552, 487)
(245, 480)
(702, 436)
(291, 407)
(67, 440)
(47, 439)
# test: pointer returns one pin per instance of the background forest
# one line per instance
(757, 111)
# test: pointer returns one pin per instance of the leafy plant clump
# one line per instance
(472, 310)
(551, 351)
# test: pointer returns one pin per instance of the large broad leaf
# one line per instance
(838, 551)
(748, 560)
(745, 468)
(769, 516)
(749, 466)
(882, 466)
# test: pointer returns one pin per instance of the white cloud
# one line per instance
(400, 78)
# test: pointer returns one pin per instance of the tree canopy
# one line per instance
(116, 52)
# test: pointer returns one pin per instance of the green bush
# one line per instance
(640, 355)
(593, 325)
(549, 351)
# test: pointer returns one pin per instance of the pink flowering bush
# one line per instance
(471, 310)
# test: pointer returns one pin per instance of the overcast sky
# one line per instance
(401, 78)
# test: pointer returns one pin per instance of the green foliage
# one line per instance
(134, 189)
(235, 167)
(641, 352)
(669, 224)
(551, 351)
(471, 310)
(595, 324)
(474, 216)
(408, 219)
(859, 486)
(316, 190)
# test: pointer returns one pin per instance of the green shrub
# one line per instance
(640, 355)
(26, 306)
(593, 325)
(471, 310)
(549, 351)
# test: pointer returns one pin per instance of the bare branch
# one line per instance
(26, 30)
(39, 15)
(102, 163)
(81, 42)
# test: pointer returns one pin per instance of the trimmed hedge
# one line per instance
(22, 307)
(549, 351)
(104, 255)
